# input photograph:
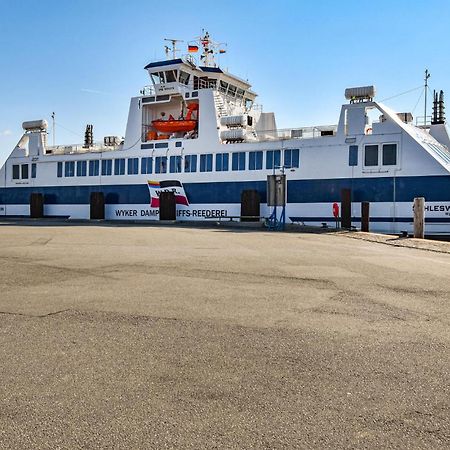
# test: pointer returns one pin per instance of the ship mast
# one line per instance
(427, 75)
(210, 49)
(172, 49)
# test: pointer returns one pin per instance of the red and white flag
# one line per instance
(156, 187)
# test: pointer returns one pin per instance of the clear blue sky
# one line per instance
(84, 59)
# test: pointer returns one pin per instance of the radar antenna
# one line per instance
(173, 48)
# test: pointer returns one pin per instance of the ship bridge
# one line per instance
(187, 91)
(182, 75)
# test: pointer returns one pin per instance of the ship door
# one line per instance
(167, 206)
(250, 205)
(36, 206)
(97, 204)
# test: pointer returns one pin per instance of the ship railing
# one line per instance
(79, 149)
(148, 90)
(198, 84)
(296, 133)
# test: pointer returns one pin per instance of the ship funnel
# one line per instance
(441, 107)
(360, 94)
(438, 108)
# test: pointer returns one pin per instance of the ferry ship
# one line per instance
(198, 132)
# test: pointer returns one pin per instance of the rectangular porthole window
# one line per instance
(221, 162)
(238, 161)
(94, 167)
(353, 155)
(371, 155)
(146, 165)
(161, 164)
(60, 170)
(273, 159)
(119, 166)
(190, 163)
(133, 166)
(255, 160)
(389, 154)
(106, 167)
(175, 164)
(24, 170)
(292, 158)
(206, 163)
(16, 172)
(33, 170)
(81, 168)
(69, 169)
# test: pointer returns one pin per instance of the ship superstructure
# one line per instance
(197, 129)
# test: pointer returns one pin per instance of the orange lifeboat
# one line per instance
(173, 126)
(177, 125)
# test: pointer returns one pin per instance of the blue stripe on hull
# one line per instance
(372, 219)
(433, 188)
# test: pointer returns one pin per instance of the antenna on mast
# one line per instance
(427, 75)
(172, 49)
(53, 127)
(210, 48)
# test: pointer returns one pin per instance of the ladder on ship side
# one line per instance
(220, 105)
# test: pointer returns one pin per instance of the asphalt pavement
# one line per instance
(138, 337)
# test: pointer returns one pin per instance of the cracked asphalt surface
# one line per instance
(154, 337)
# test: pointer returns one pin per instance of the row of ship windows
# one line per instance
(22, 171)
(374, 154)
(222, 160)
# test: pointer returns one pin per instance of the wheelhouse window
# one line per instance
(94, 167)
(273, 159)
(119, 166)
(171, 76)
(158, 77)
(24, 171)
(16, 172)
(223, 86)
(292, 158)
(206, 163)
(69, 169)
(33, 170)
(133, 166)
(59, 170)
(255, 160)
(371, 155)
(353, 155)
(175, 164)
(232, 90)
(238, 161)
(389, 154)
(81, 168)
(106, 167)
(161, 164)
(184, 77)
(222, 162)
(146, 165)
(190, 163)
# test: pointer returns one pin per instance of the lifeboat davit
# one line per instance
(177, 125)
